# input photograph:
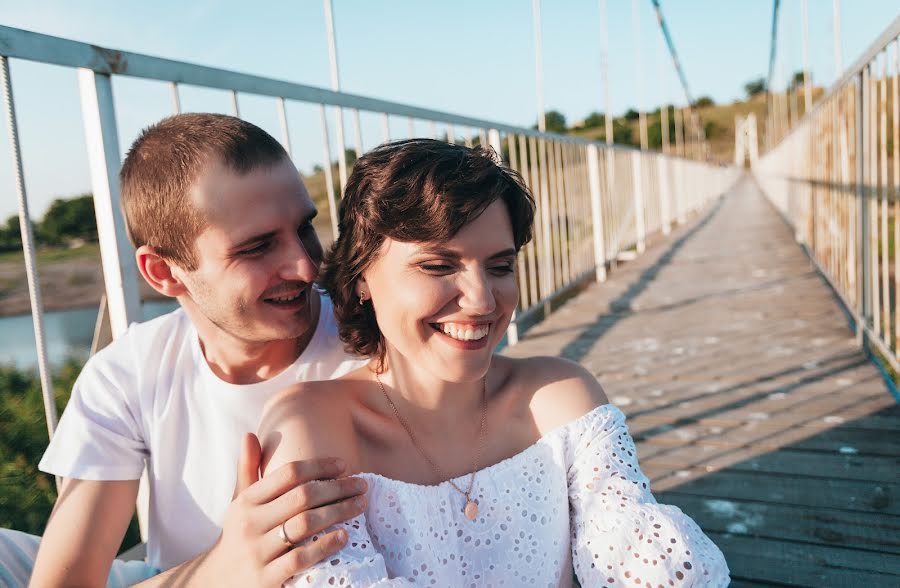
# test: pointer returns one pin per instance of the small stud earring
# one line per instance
(362, 298)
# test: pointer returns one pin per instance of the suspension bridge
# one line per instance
(744, 318)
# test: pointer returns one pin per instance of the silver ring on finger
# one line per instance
(282, 534)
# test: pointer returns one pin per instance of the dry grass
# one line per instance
(722, 142)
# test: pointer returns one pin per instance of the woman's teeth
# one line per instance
(464, 332)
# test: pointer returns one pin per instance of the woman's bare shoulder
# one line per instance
(308, 420)
(558, 390)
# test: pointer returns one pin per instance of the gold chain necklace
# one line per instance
(471, 507)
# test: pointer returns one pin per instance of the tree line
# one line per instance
(67, 221)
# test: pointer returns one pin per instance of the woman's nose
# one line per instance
(477, 294)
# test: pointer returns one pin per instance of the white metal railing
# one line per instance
(594, 201)
(836, 178)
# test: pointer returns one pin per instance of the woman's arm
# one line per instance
(307, 421)
(619, 532)
(312, 421)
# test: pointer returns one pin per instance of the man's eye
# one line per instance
(504, 269)
(256, 249)
(436, 267)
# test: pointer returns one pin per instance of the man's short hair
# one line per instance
(165, 162)
(416, 190)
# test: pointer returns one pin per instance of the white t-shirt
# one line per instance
(151, 396)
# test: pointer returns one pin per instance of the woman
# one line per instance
(482, 470)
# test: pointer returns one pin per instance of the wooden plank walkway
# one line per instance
(752, 407)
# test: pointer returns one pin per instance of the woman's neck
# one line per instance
(427, 396)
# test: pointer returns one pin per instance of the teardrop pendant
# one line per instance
(471, 510)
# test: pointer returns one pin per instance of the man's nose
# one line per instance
(299, 263)
(476, 294)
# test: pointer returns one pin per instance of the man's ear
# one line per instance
(158, 272)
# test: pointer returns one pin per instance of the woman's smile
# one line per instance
(463, 335)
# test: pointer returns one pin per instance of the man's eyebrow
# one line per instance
(254, 239)
(269, 234)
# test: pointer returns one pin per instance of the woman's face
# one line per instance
(445, 306)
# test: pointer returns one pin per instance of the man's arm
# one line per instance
(84, 533)
(90, 518)
(303, 495)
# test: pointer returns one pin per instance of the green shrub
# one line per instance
(27, 494)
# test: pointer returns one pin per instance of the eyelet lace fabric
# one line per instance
(575, 498)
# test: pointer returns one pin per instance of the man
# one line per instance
(222, 222)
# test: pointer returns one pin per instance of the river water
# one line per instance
(68, 333)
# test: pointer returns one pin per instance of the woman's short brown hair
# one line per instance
(416, 190)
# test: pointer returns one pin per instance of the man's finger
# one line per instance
(248, 463)
(304, 525)
(301, 558)
(291, 475)
(306, 497)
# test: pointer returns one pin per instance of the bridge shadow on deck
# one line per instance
(752, 408)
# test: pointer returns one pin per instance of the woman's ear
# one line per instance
(160, 273)
(361, 289)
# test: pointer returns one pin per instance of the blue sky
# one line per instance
(467, 56)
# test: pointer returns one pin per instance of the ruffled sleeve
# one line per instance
(620, 535)
(358, 564)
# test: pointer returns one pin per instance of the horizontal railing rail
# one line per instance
(835, 177)
(594, 201)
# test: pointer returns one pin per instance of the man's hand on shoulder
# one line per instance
(304, 496)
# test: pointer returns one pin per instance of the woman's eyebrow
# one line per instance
(439, 251)
(449, 253)
(505, 253)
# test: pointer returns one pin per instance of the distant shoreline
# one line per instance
(69, 283)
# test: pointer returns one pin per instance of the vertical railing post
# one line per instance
(547, 237)
(679, 191)
(336, 86)
(665, 213)
(329, 173)
(593, 157)
(512, 331)
(119, 271)
(176, 99)
(862, 310)
(116, 252)
(638, 184)
(283, 123)
(235, 107)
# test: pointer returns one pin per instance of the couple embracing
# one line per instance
(349, 427)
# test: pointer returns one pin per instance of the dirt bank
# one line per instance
(69, 283)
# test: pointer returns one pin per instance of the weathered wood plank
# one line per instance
(767, 563)
(857, 530)
(815, 435)
(797, 463)
(750, 403)
(852, 495)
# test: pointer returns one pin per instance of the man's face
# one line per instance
(258, 254)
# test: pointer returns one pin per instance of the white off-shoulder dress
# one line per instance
(575, 498)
